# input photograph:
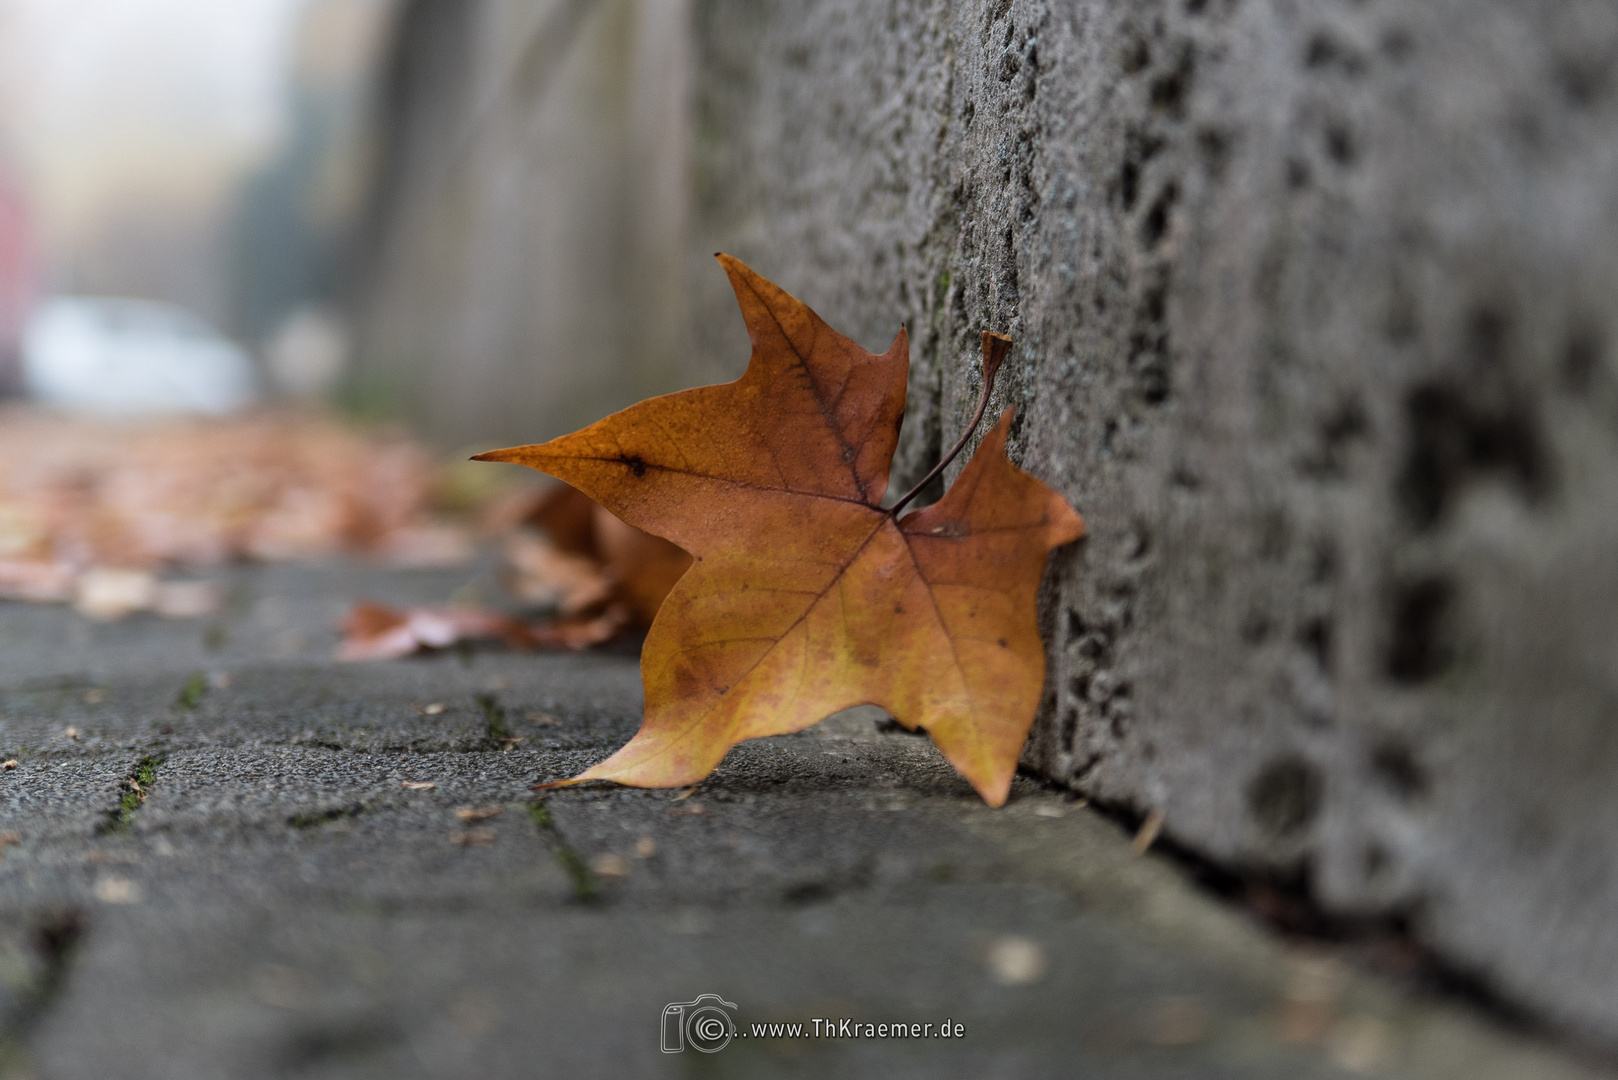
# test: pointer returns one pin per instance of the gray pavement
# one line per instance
(340, 871)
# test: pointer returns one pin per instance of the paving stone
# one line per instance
(293, 899)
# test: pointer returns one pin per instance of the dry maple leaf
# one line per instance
(586, 556)
(807, 596)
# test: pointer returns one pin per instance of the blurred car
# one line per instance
(132, 357)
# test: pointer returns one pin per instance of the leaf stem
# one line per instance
(995, 347)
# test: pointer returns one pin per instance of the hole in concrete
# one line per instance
(1321, 51)
(1394, 764)
(1215, 147)
(1274, 534)
(1453, 440)
(1323, 565)
(1136, 57)
(1169, 90)
(1155, 302)
(1421, 644)
(1581, 359)
(1156, 224)
(1315, 637)
(1070, 726)
(1138, 544)
(1375, 861)
(1154, 383)
(1285, 797)
(1583, 79)
(1129, 184)
(1488, 330)
(332, 1041)
(1139, 148)
(1340, 144)
(1398, 44)
(807, 892)
(1339, 429)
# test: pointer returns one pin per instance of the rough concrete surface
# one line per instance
(1312, 302)
(1314, 323)
(284, 903)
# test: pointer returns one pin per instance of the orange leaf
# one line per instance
(806, 596)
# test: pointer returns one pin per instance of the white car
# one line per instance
(131, 357)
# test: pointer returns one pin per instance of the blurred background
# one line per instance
(208, 156)
(411, 209)
(269, 269)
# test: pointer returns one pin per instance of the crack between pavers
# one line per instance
(586, 888)
(133, 793)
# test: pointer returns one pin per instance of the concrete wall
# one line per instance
(1314, 323)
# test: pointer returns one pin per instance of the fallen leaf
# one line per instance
(588, 557)
(645, 847)
(71, 732)
(807, 597)
(10, 839)
(376, 632)
(546, 574)
(478, 813)
(433, 709)
(8, 765)
(418, 785)
(475, 837)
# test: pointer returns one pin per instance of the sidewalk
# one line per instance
(339, 871)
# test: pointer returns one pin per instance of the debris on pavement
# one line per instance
(95, 511)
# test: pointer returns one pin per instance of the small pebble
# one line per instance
(1016, 961)
(610, 866)
(117, 890)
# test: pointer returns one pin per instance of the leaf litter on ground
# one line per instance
(102, 513)
(603, 579)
